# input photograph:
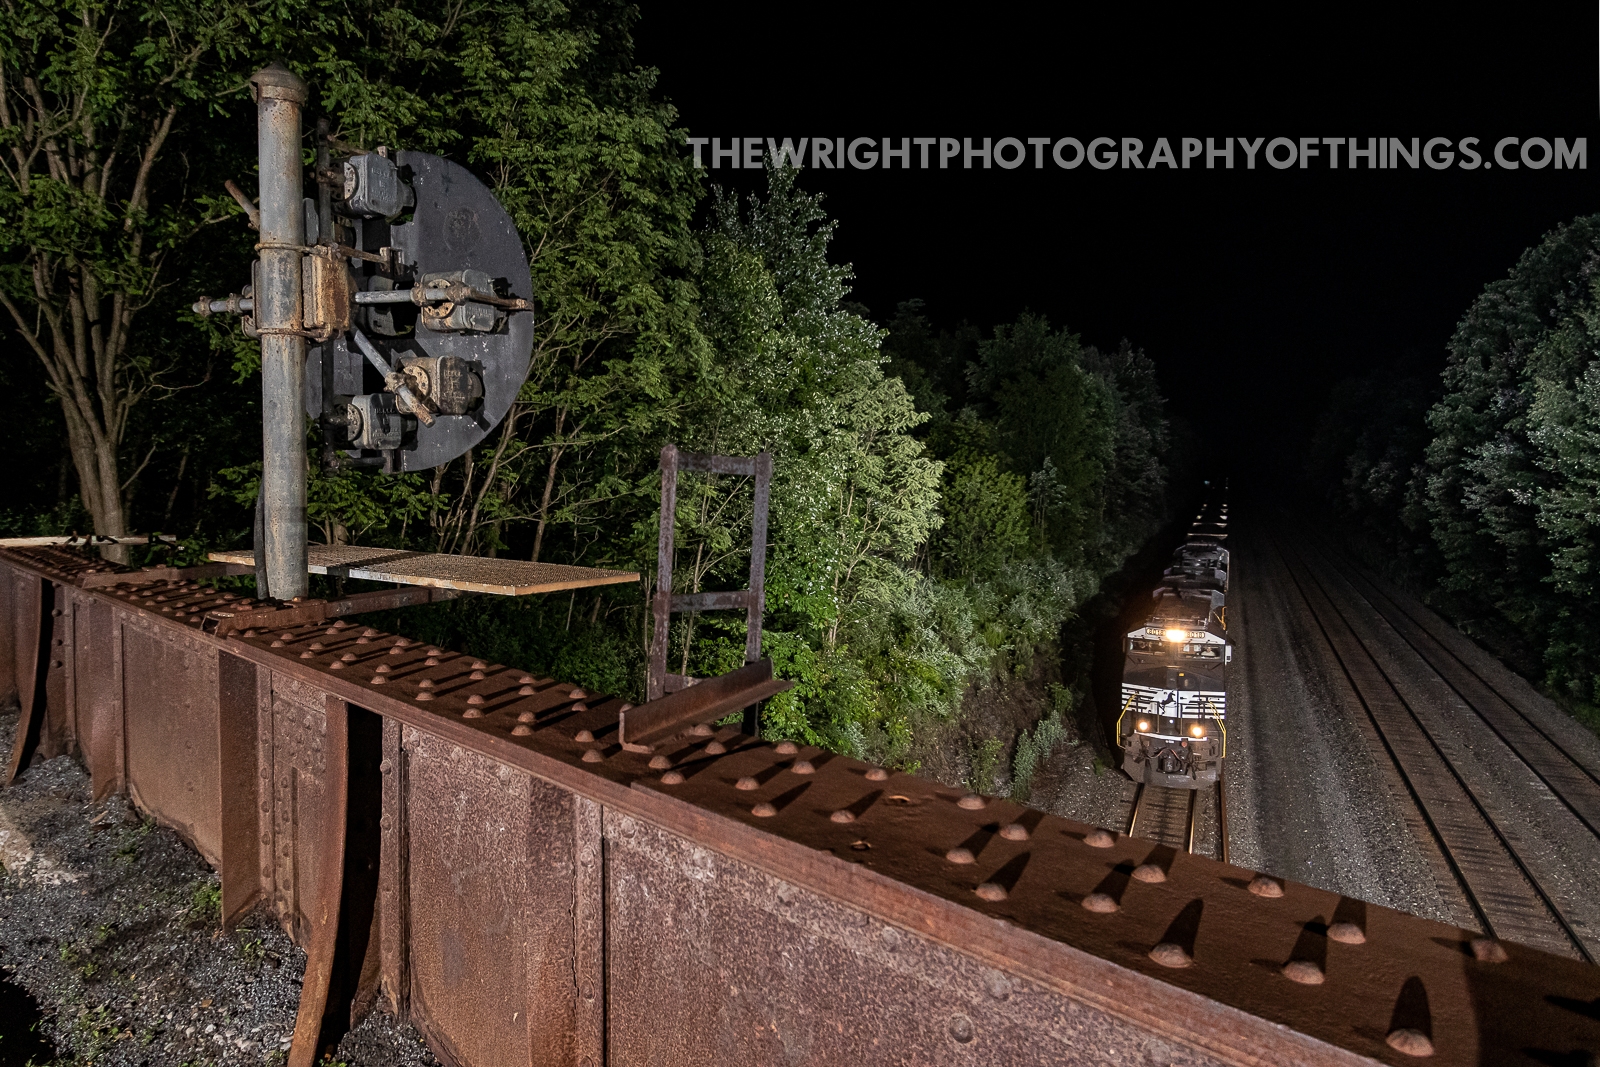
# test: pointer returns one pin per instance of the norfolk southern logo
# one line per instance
(1135, 153)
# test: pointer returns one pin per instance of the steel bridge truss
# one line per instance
(471, 847)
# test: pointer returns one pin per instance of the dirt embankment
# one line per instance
(1073, 773)
(1078, 680)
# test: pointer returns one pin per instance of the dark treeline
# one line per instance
(1481, 486)
(943, 500)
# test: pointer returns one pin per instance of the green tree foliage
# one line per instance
(542, 100)
(1054, 473)
(854, 495)
(1366, 457)
(101, 116)
(940, 503)
(1493, 496)
(1498, 459)
(1565, 432)
(987, 522)
(1045, 406)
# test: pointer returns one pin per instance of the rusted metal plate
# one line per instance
(242, 616)
(1237, 942)
(10, 578)
(163, 574)
(56, 728)
(1038, 877)
(239, 793)
(471, 574)
(28, 604)
(266, 791)
(96, 694)
(296, 753)
(58, 563)
(759, 970)
(589, 933)
(169, 681)
(846, 921)
(494, 920)
(641, 729)
(394, 877)
(322, 943)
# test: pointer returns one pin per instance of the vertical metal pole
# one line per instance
(279, 94)
(758, 559)
(656, 679)
(756, 611)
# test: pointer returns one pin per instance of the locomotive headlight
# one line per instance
(1144, 725)
(1176, 636)
(1197, 730)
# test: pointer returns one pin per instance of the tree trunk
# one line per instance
(74, 299)
(94, 457)
(549, 488)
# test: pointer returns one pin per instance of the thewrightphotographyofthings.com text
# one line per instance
(1132, 153)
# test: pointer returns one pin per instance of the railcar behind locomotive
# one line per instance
(1173, 726)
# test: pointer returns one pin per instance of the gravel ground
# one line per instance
(1076, 782)
(1557, 848)
(109, 922)
(1309, 796)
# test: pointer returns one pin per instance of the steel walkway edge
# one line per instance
(471, 846)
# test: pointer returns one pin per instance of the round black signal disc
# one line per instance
(456, 224)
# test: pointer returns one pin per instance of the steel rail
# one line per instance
(1506, 842)
(1475, 896)
(1194, 798)
(1133, 809)
(1590, 820)
(1158, 803)
(1222, 814)
(1588, 814)
(1388, 746)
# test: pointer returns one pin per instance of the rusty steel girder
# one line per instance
(544, 895)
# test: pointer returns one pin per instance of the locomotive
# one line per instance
(1173, 725)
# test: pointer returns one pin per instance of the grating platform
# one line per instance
(470, 574)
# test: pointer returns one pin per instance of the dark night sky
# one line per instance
(1254, 290)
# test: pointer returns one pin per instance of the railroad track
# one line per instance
(1495, 870)
(1171, 816)
(1568, 778)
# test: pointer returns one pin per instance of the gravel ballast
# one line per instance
(109, 922)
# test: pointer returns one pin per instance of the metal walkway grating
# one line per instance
(471, 574)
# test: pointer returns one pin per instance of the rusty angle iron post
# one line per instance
(661, 605)
(31, 652)
(314, 991)
(752, 599)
